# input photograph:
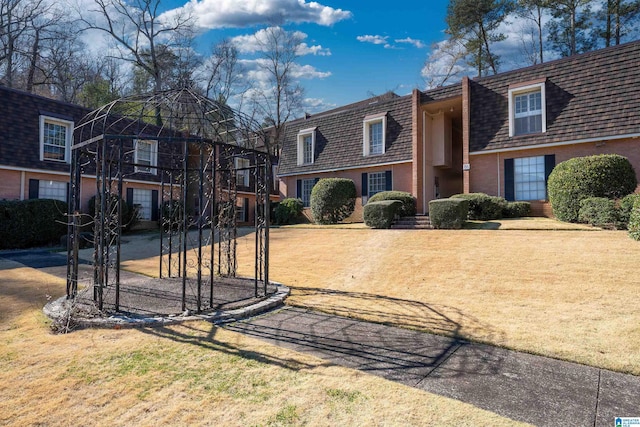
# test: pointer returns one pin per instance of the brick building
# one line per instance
(501, 135)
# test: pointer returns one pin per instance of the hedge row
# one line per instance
(30, 223)
(483, 207)
(408, 202)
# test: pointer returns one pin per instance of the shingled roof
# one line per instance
(590, 96)
(20, 123)
(339, 136)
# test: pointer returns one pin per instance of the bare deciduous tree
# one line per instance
(143, 35)
(445, 64)
(224, 73)
(280, 96)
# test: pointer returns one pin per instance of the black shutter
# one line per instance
(509, 180)
(130, 198)
(34, 186)
(315, 181)
(365, 185)
(549, 164)
(299, 189)
(388, 183)
(154, 205)
(245, 204)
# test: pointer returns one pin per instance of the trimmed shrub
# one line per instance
(598, 211)
(607, 175)
(448, 213)
(408, 207)
(634, 221)
(516, 209)
(332, 200)
(624, 209)
(129, 215)
(288, 210)
(380, 214)
(483, 207)
(29, 223)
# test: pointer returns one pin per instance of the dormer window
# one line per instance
(306, 146)
(55, 139)
(374, 131)
(146, 156)
(527, 112)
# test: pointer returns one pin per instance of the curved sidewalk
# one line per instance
(532, 389)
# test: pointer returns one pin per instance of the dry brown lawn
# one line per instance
(187, 375)
(565, 294)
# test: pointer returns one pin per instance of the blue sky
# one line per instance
(361, 47)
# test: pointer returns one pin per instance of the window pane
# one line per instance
(375, 138)
(529, 178)
(528, 113)
(55, 190)
(55, 141)
(308, 149)
(145, 158)
(242, 171)
(377, 183)
(307, 186)
(142, 201)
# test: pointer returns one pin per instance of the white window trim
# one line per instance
(67, 149)
(300, 145)
(154, 157)
(512, 107)
(369, 120)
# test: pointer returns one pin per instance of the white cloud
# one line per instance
(317, 105)
(261, 78)
(308, 72)
(305, 49)
(213, 14)
(373, 39)
(252, 43)
(384, 41)
(417, 43)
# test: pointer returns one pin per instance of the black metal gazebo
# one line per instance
(197, 154)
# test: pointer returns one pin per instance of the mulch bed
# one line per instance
(144, 296)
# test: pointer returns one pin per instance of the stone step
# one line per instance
(419, 222)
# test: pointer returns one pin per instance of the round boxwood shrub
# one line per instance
(483, 207)
(380, 214)
(448, 213)
(607, 175)
(332, 200)
(598, 211)
(288, 210)
(408, 207)
(634, 221)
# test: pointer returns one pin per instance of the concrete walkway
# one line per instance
(533, 389)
